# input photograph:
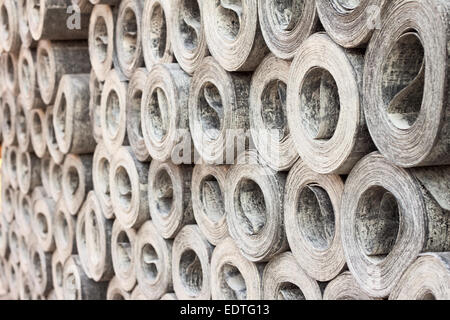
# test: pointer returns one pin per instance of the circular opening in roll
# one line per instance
(227, 20)
(13, 161)
(26, 77)
(37, 266)
(117, 296)
(191, 273)
(315, 216)
(26, 210)
(428, 296)
(73, 180)
(71, 290)
(345, 6)
(163, 191)
(21, 125)
(124, 251)
(56, 177)
(7, 118)
(286, 13)
(289, 291)
(97, 98)
(37, 126)
(273, 108)
(61, 114)
(104, 177)
(7, 201)
(59, 274)
(4, 22)
(158, 114)
(149, 258)
(42, 224)
(128, 30)
(123, 183)
(403, 81)
(377, 222)
(44, 73)
(34, 15)
(158, 31)
(63, 228)
(190, 20)
(135, 113)
(112, 113)
(100, 39)
(10, 68)
(14, 242)
(210, 111)
(232, 283)
(25, 167)
(95, 233)
(250, 207)
(319, 104)
(212, 198)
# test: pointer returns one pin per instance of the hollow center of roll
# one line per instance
(428, 296)
(37, 266)
(319, 104)
(149, 262)
(124, 251)
(286, 13)
(158, 31)
(273, 108)
(135, 113)
(210, 111)
(190, 23)
(289, 291)
(212, 198)
(26, 210)
(250, 206)
(104, 177)
(158, 112)
(232, 283)
(163, 190)
(100, 39)
(26, 77)
(112, 113)
(56, 177)
(129, 34)
(7, 118)
(96, 251)
(21, 122)
(191, 273)
(34, 15)
(344, 6)
(60, 115)
(117, 296)
(403, 81)
(14, 242)
(13, 161)
(73, 180)
(44, 69)
(62, 228)
(315, 216)
(51, 134)
(37, 131)
(228, 18)
(71, 291)
(42, 224)
(24, 166)
(97, 99)
(4, 23)
(59, 274)
(10, 68)
(124, 187)
(377, 222)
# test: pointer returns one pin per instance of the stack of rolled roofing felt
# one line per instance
(251, 149)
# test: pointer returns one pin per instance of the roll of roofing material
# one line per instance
(153, 256)
(55, 180)
(312, 220)
(9, 26)
(286, 24)
(115, 291)
(45, 176)
(389, 216)
(11, 162)
(50, 137)
(10, 76)
(169, 197)
(28, 171)
(156, 32)
(351, 23)
(24, 215)
(64, 234)
(219, 112)
(113, 112)
(12, 276)
(233, 34)
(345, 287)
(284, 279)
(254, 204)
(73, 128)
(9, 117)
(57, 275)
(324, 106)
(9, 197)
(95, 98)
(25, 286)
(36, 122)
(56, 59)
(22, 127)
(43, 223)
(128, 180)
(100, 178)
(24, 30)
(233, 277)
(191, 269)
(268, 114)
(208, 201)
(41, 269)
(26, 72)
(188, 34)
(426, 279)
(405, 82)
(165, 111)
(13, 242)
(24, 252)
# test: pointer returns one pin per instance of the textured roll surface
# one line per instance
(345, 287)
(55, 180)
(312, 219)
(324, 106)
(22, 126)
(28, 171)
(36, 122)
(43, 223)
(10, 76)
(65, 224)
(100, 178)
(27, 77)
(9, 26)
(8, 119)
(57, 274)
(50, 137)
(115, 291)
(95, 99)
(405, 95)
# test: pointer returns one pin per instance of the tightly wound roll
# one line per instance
(208, 201)
(64, 234)
(100, 178)
(22, 126)
(389, 216)
(24, 30)
(55, 180)
(218, 111)
(36, 122)
(43, 223)
(28, 86)
(324, 108)
(254, 204)
(10, 77)
(50, 137)
(95, 99)
(169, 197)
(9, 26)
(28, 171)
(312, 214)
(153, 258)
(345, 287)
(57, 274)
(191, 270)
(41, 269)
(188, 34)
(8, 117)
(233, 277)
(426, 279)
(286, 24)
(233, 34)
(165, 117)
(405, 84)
(284, 279)
(351, 23)
(268, 114)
